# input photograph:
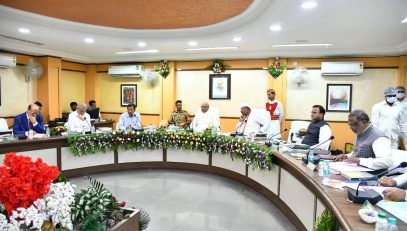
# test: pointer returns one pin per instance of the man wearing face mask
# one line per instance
(401, 96)
(387, 116)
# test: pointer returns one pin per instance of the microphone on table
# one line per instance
(237, 129)
(359, 197)
(141, 126)
(268, 142)
(316, 158)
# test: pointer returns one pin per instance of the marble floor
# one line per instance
(185, 200)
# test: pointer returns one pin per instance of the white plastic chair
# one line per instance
(3, 124)
(295, 127)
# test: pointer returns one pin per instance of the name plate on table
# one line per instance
(311, 166)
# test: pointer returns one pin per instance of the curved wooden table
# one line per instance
(294, 189)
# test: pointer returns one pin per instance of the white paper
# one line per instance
(342, 166)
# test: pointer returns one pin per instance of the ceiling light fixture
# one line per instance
(89, 40)
(210, 48)
(24, 30)
(237, 39)
(309, 5)
(404, 20)
(137, 52)
(303, 45)
(275, 27)
(192, 43)
(141, 44)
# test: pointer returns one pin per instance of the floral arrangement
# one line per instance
(28, 200)
(58, 130)
(217, 66)
(163, 68)
(276, 69)
(252, 154)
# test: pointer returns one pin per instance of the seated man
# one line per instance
(180, 117)
(318, 130)
(28, 121)
(129, 120)
(372, 148)
(92, 105)
(79, 120)
(206, 117)
(395, 194)
(253, 122)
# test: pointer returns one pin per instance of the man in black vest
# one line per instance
(318, 131)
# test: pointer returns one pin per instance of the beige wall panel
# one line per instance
(16, 94)
(148, 97)
(72, 88)
(367, 89)
(249, 86)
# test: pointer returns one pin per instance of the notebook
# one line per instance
(354, 175)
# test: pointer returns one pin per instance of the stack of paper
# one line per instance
(397, 209)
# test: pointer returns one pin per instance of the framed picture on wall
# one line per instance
(219, 86)
(128, 94)
(339, 97)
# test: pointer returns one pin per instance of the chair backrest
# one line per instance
(295, 126)
(3, 124)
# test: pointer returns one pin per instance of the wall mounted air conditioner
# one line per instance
(132, 71)
(7, 61)
(341, 68)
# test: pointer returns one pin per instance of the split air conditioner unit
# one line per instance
(132, 71)
(7, 61)
(341, 68)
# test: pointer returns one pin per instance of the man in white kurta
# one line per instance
(79, 120)
(206, 118)
(253, 121)
(276, 111)
(387, 117)
(401, 97)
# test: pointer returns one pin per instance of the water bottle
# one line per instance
(392, 226)
(321, 167)
(83, 130)
(311, 156)
(30, 134)
(327, 170)
(381, 223)
(93, 129)
(47, 132)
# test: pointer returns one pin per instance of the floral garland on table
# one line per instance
(258, 156)
(276, 69)
(163, 68)
(217, 66)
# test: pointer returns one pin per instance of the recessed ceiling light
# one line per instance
(303, 45)
(24, 30)
(275, 27)
(89, 40)
(192, 43)
(137, 52)
(141, 44)
(237, 39)
(404, 20)
(309, 5)
(210, 48)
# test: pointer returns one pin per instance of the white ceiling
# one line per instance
(355, 27)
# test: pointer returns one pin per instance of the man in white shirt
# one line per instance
(318, 130)
(401, 97)
(253, 122)
(129, 120)
(206, 118)
(387, 117)
(79, 120)
(371, 147)
(275, 108)
(395, 194)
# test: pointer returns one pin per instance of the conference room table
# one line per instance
(292, 187)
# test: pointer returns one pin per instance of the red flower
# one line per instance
(23, 181)
(122, 204)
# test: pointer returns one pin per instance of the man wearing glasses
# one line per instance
(387, 117)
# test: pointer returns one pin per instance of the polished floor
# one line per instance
(185, 201)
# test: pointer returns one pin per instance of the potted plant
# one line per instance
(217, 66)
(326, 222)
(276, 69)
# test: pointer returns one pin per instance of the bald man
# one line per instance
(206, 117)
(79, 120)
(28, 121)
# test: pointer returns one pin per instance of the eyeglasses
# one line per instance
(400, 91)
(390, 95)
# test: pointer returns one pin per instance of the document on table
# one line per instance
(397, 209)
(342, 166)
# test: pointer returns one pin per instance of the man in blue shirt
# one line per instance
(28, 120)
(129, 120)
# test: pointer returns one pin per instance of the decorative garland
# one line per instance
(258, 156)
(217, 66)
(163, 68)
(276, 69)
